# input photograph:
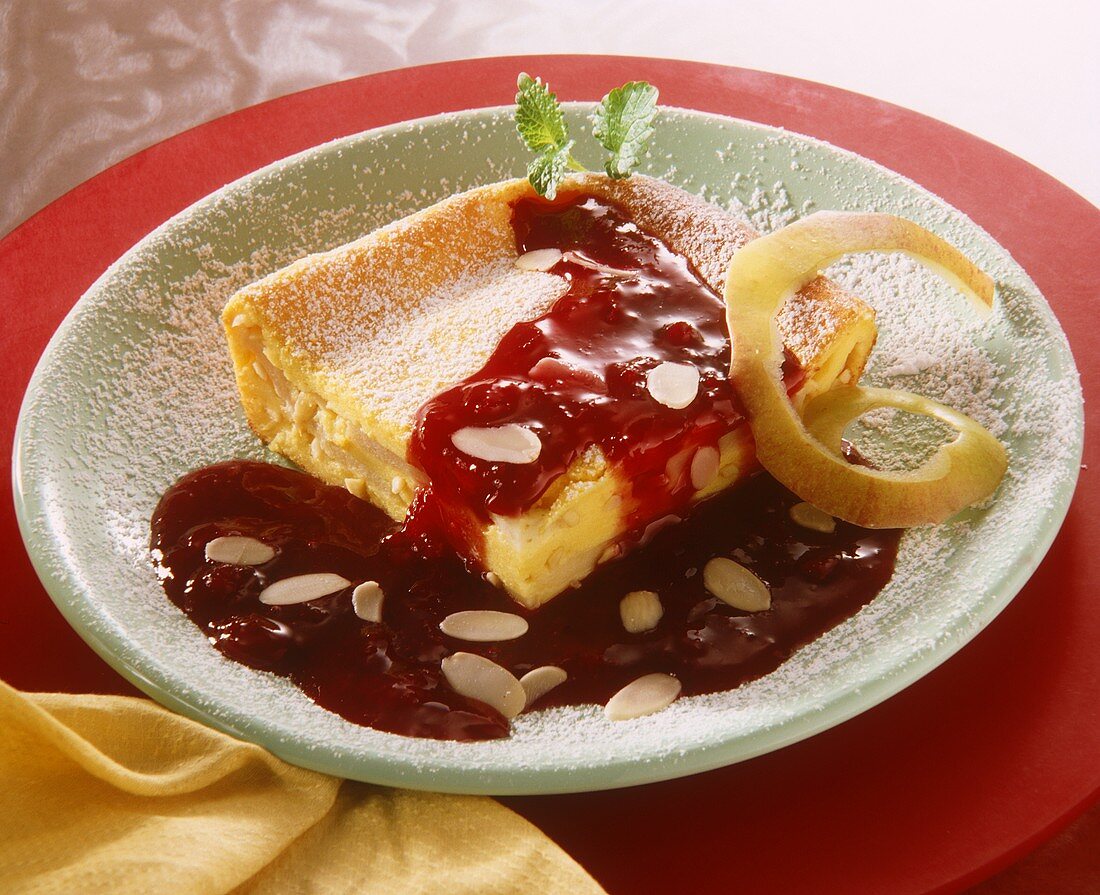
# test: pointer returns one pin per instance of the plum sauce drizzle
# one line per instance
(576, 376)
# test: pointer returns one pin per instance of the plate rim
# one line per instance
(70, 598)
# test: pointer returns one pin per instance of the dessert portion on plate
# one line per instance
(533, 417)
(549, 378)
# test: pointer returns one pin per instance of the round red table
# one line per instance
(933, 790)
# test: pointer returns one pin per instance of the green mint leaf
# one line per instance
(539, 118)
(548, 168)
(624, 126)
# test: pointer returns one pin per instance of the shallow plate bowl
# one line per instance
(136, 388)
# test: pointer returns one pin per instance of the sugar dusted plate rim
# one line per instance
(632, 752)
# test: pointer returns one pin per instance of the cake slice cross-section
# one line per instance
(544, 382)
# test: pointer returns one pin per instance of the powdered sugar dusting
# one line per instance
(439, 341)
(138, 389)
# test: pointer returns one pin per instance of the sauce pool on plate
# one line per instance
(387, 674)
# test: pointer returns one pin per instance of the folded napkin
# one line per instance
(112, 794)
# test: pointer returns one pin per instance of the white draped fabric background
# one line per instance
(85, 84)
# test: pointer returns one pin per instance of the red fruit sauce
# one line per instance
(632, 303)
(386, 675)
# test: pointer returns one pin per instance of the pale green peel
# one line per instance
(805, 454)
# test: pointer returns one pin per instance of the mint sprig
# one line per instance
(623, 125)
(539, 118)
(548, 169)
(541, 124)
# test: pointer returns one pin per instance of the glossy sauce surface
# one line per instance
(576, 376)
(386, 675)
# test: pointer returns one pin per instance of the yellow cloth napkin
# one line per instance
(112, 794)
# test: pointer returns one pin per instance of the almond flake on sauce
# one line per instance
(366, 600)
(302, 588)
(538, 259)
(483, 625)
(735, 585)
(640, 610)
(476, 677)
(646, 695)
(657, 526)
(584, 261)
(499, 444)
(238, 550)
(551, 369)
(809, 516)
(540, 681)
(674, 385)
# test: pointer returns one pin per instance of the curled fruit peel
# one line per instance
(804, 453)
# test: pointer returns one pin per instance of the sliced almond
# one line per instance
(704, 467)
(356, 487)
(809, 516)
(304, 408)
(555, 557)
(732, 583)
(656, 527)
(483, 625)
(302, 588)
(584, 261)
(646, 695)
(479, 678)
(674, 385)
(366, 600)
(640, 611)
(675, 467)
(238, 550)
(499, 444)
(610, 552)
(552, 371)
(540, 681)
(538, 259)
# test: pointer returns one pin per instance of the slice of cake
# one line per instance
(548, 377)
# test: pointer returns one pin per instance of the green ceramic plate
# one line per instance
(136, 388)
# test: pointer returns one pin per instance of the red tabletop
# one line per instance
(933, 790)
